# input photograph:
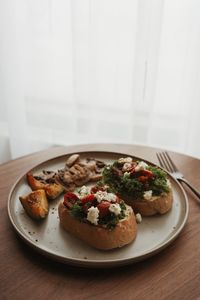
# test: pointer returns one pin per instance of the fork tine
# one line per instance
(167, 162)
(160, 159)
(164, 161)
(171, 161)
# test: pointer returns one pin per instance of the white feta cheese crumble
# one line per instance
(115, 208)
(93, 215)
(111, 197)
(168, 183)
(126, 166)
(147, 195)
(138, 218)
(125, 160)
(128, 210)
(102, 195)
(84, 190)
(141, 166)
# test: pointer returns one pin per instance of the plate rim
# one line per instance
(92, 263)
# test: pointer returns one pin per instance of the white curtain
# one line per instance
(87, 71)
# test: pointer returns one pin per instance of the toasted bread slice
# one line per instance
(35, 204)
(98, 236)
(156, 205)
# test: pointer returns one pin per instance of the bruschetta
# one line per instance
(98, 217)
(146, 188)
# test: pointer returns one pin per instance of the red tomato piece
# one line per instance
(71, 196)
(95, 189)
(144, 175)
(88, 198)
(70, 199)
(103, 208)
(143, 178)
(147, 173)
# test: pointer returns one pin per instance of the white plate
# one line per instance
(47, 237)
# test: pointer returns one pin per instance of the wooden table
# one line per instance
(174, 273)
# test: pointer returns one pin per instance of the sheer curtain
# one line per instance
(87, 71)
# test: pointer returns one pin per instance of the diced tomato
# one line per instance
(103, 208)
(144, 175)
(96, 188)
(143, 178)
(70, 199)
(147, 173)
(88, 198)
(71, 196)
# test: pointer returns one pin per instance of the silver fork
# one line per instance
(167, 163)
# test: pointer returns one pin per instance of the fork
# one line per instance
(167, 163)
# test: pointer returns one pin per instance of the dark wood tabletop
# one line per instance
(174, 273)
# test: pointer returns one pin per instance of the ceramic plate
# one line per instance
(48, 238)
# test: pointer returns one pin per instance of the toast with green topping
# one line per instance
(98, 217)
(145, 187)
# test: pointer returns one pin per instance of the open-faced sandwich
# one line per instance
(145, 187)
(98, 217)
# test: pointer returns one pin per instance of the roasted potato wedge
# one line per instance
(35, 204)
(34, 183)
(53, 190)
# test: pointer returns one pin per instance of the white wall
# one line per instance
(4, 149)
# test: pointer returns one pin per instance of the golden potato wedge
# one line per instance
(35, 204)
(53, 190)
(34, 183)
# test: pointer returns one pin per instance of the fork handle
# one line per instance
(197, 193)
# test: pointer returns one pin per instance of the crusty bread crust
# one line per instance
(157, 205)
(97, 236)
